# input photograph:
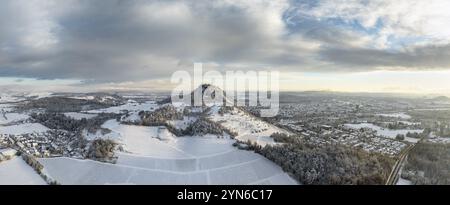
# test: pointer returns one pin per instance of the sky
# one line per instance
(334, 45)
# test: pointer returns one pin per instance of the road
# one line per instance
(395, 173)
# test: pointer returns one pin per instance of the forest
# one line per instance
(55, 120)
(428, 163)
(63, 104)
(328, 164)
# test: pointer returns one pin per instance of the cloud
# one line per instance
(135, 40)
(398, 18)
(419, 58)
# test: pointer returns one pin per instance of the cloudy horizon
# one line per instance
(336, 45)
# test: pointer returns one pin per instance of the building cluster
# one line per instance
(323, 122)
(52, 143)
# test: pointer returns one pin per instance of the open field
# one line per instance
(17, 172)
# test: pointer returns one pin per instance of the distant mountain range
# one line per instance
(441, 98)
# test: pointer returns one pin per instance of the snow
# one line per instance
(402, 181)
(202, 146)
(10, 98)
(133, 117)
(396, 115)
(5, 107)
(248, 127)
(436, 139)
(17, 172)
(130, 106)
(79, 116)
(98, 135)
(26, 128)
(141, 140)
(152, 159)
(83, 97)
(6, 118)
(7, 152)
(432, 109)
(409, 123)
(38, 95)
(386, 132)
(146, 170)
(184, 123)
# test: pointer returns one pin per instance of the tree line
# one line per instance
(328, 164)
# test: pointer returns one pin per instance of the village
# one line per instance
(53, 143)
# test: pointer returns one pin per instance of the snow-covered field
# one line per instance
(184, 123)
(6, 107)
(235, 167)
(402, 181)
(89, 97)
(436, 139)
(26, 128)
(17, 172)
(152, 159)
(6, 118)
(79, 116)
(386, 132)
(10, 98)
(396, 115)
(142, 140)
(248, 127)
(131, 107)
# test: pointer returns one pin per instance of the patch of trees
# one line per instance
(328, 164)
(243, 146)
(400, 137)
(54, 120)
(225, 109)
(203, 126)
(63, 104)
(401, 125)
(78, 142)
(428, 164)
(160, 116)
(36, 165)
(415, 135)
(102, 150)
(283, 138)
(443, 129)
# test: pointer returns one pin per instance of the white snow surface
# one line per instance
(130, 106)
(26, 128)
(235, 167)
(10, 98)
(17, 172)
(152, 159)
(248, 127)
(402, 181)
(140, 139)
(396, 115)
(79, 116)
(5, 107)
(90, 97)
(184, 123)
(6, 118)
(386, 132)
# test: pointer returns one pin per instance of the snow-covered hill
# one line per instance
(164, 144)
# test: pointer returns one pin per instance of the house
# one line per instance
(7, 153)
